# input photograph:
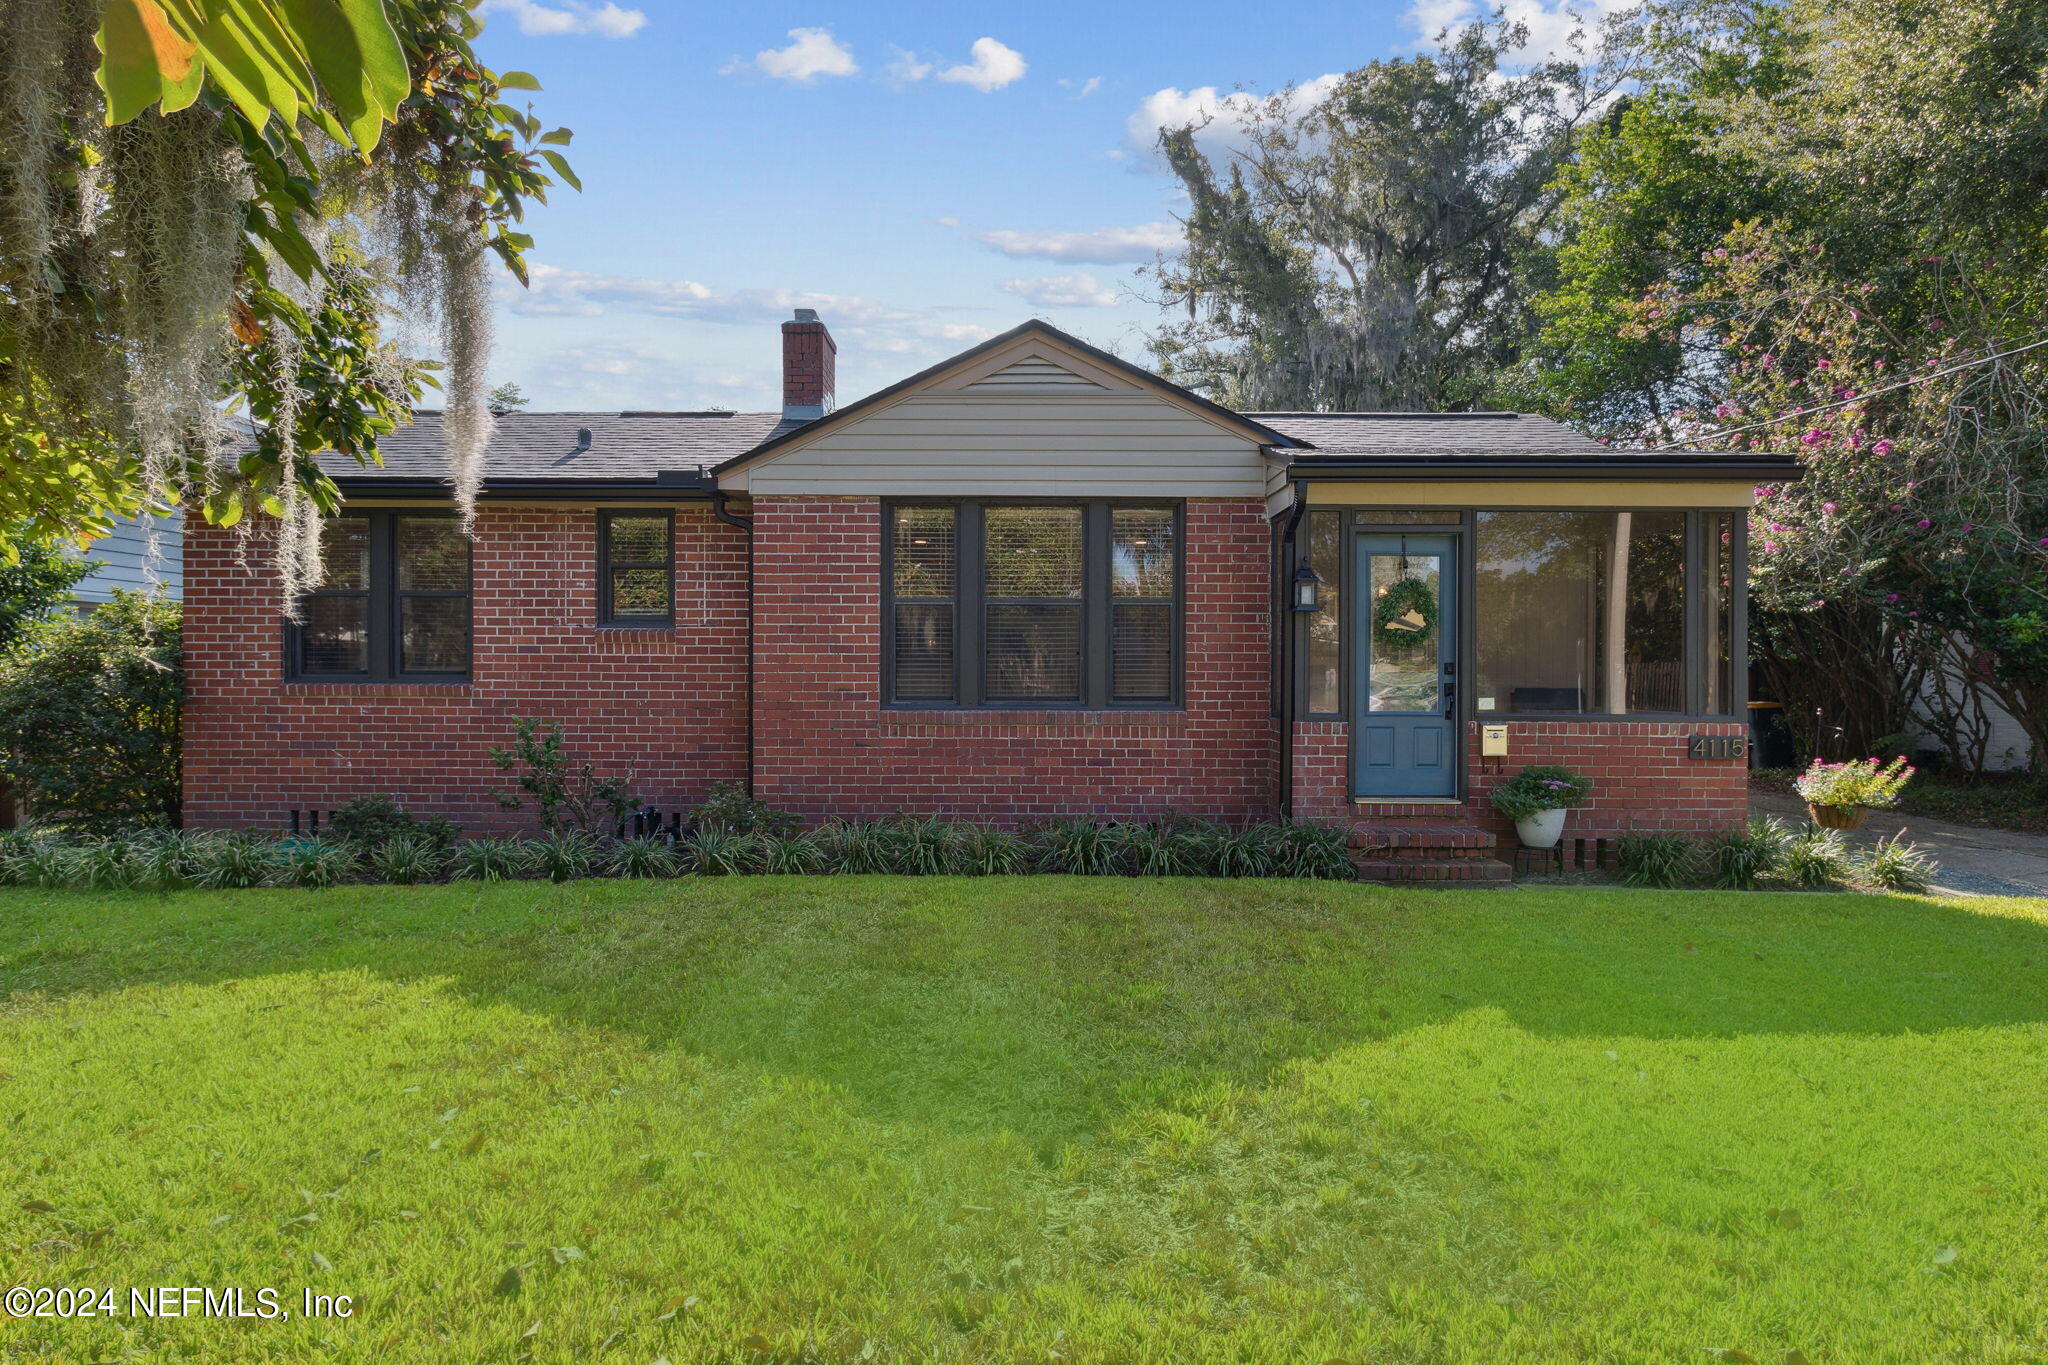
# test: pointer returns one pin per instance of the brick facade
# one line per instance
(1642, 779)
(667, 707)
(825, 744)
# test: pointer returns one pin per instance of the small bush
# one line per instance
(1654, 859)
(1897, 867)
(1254, 851)
(1076, 848)
(102, 865)
(1319, 851)
(164, 862)
(720, 852)
(923, 846)
(491, 860)
(370, 822)
(228, 862)
(569, 795)
(985, 852)
(643, 857)
(1168, 848)
(564, 855)
(791, 855)
(1736, 859)
(312, 862)
(859, 847)
(407, 860)
(729, 808)
(1815, 857)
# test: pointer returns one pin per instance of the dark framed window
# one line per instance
(395, 604)
(636, 573)
(1032, 604)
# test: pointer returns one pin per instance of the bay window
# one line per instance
(394, 604)
(1038, 604)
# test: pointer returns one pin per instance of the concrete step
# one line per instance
(1445, 872)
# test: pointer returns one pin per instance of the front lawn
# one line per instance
(1031, 1120)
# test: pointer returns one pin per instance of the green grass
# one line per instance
(1031, 1120)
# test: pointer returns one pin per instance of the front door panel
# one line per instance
(1404, 721)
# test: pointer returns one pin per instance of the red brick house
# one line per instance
(1033, 580)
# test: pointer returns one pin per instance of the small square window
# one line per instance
(636, 568)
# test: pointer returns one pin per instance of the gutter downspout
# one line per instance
(1283, 596)
(719, 499)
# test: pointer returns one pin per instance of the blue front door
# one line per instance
(1404, 725)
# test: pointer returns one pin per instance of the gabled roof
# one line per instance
(1250, 427)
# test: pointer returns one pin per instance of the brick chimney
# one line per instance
(809, 363)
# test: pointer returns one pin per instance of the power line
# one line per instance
(1845, 402)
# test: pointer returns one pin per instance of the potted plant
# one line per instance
(1536, 799)
(1842, 795)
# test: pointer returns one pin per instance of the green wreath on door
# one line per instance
(1404, 616)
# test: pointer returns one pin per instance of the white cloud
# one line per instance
(1223, 116)
(1082, 89)
(862, 325)
(1104, 246)
(906, 67)
(1551, 25)
(812, 52)
(536, 20)
(1079, 290)
(994, 66)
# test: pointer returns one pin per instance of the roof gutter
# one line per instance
(672, 485)
(1774, 469)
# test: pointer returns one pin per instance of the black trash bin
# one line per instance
(1770, 738)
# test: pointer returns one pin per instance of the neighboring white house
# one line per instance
(126, 559)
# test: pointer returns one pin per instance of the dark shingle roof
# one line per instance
(545, 445)
(1431, 435)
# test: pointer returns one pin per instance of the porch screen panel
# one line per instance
(1325, 635)
(1032, 603)
(1581, 613)
(1717, 580)
(334, 620)
(1143, 573)
(924, 547)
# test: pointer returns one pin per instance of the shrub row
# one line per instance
(1769, 852)
(904, 846)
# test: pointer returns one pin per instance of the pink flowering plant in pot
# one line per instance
(1536, 799)
(1842, 795)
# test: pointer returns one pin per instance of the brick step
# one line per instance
(1383, 843)
(1434, 871)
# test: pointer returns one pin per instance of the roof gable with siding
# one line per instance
(1031, 418)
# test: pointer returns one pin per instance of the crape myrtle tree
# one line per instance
(1378, 248)
(217, 204)
(1821, 227)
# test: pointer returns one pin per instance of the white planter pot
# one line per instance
(1541, 830)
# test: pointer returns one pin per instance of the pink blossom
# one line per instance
(1776, 529)
(1601, 441)
(1770, 547)
(1722, 409)
(1891, 599)
(2042, 541)
(1813, 437)
(1925, 524)
(1882, 448)
(1821, 364)
(1967, 526)
(1828, 508)
(1761, 491)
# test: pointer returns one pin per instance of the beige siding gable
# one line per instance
(1030, 420)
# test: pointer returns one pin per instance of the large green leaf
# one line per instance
(144, 59)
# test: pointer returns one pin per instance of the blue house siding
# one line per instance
(123, 560)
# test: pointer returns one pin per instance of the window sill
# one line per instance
(380, 687)
(1161, 717)
(636, 627)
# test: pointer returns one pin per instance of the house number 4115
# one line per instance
(1718, 746)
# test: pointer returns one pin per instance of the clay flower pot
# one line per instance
(1838, 817)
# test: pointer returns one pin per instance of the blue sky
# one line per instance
(923, 175)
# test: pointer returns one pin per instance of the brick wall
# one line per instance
(667, 707)
(826, 746)
(1642, 779)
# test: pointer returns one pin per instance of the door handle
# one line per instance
(1450, 699)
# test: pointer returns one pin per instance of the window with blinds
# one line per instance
(395, 602)
(1032, 604)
